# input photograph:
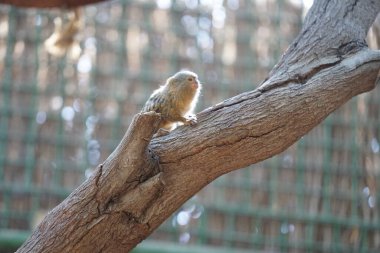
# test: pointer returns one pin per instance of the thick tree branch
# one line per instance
(131, 194)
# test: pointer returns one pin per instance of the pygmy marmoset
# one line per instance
(175, 100)
(64, 37)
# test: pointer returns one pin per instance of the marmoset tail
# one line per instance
(175, 100)
(64, 37)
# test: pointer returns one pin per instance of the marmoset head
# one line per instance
(184, 80)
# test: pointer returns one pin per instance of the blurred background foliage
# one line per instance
(60, 116)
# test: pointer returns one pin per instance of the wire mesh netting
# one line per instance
(61, 116)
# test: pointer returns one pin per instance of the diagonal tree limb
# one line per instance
(131, 194)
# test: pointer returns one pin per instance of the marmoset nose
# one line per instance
(195, 84)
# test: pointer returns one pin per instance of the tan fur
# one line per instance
(64, 37)
(176, 99)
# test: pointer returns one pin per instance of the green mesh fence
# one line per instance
(61, 116)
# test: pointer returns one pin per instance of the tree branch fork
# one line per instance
(146, 179)
(140, 189)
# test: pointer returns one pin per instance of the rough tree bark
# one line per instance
(131, 194)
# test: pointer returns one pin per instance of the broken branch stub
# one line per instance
(114, 201)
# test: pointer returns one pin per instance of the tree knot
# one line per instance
(351, 47)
